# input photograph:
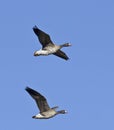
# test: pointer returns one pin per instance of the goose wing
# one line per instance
(61, 54)
(42, 36)
(40, 100)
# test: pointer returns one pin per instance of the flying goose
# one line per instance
(48, 47)
(45, 111)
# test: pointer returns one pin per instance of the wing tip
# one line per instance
(28, 89)
(35, 27)
(67, 58)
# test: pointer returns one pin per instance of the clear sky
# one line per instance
(83, 85)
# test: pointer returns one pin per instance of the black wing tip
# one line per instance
(66, 58)
(35, 27)
(27, 88)
(32, 91)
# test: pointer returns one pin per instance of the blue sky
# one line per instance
(84, 85)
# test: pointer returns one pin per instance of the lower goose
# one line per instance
(45, 111)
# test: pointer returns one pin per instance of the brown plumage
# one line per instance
(45, 111)
(48, 46)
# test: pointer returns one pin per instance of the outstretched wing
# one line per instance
(42, 36)
(61, 54)
(40, 100)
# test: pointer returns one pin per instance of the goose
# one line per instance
(45, 111)
(48, 47)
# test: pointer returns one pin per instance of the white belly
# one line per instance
(47, 52)
(46, 115)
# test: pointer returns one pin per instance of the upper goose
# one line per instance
(48, 47)
(45, 111)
